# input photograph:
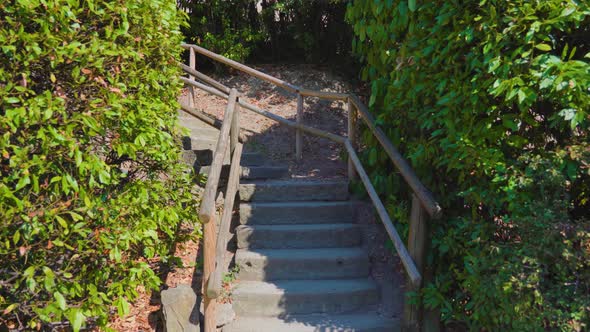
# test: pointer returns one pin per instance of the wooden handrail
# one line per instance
(280, 119)
(241, 67)
(215, 280)
(265, 77)
(406, 171)
(423, 194)
(204, 78)
(387, 223)
(208, 202)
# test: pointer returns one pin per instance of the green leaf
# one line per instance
(60, 299)
(412, 5)
(543, 47)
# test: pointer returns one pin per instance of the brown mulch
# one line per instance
(145, 314)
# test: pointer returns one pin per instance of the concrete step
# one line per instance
(252, 159)
(194, 143)
(298, 236)
(294, 190)
(277, 264)
(253, 172)
(302, 296)
(352, 322)
(198, 158)
(258, 213)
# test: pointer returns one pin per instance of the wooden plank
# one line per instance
(207, 209)
(241, 67)
(210, 120)
(299, 119)
(352, 115)
(405, 257)
(204, 87)
(214, 286)
(193, 64)
(417, 246)
(280, 119)
(234, 132)
(425, 196)
(202, 77)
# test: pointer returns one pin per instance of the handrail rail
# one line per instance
(208, 202)
(423, 194)
(406, 171)
(393, 234)
(271, 79)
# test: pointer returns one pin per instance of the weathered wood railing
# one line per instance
(423, 202)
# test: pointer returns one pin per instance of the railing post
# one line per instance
(418, 244)
(193, 65)
(352, 116)
(299, 119)
(234, 132)
(210, 241)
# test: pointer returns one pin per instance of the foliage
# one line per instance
(490, 102)
(270, 30)
(91, 189)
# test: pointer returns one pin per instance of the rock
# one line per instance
(180, 309)
(224, 313)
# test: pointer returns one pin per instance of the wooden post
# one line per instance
(192, 64)
(351, 136)
(417, 246)
(234, 132)
(298, 138)
(210, 304)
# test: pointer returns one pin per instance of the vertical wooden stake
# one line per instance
(352, 116)
(298, 138)
(417, 246)
(193, 65)
(235, 129)
(210, 241)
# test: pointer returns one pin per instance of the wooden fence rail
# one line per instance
(423, 202)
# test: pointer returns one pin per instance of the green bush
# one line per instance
(91, 190)
(490, 101)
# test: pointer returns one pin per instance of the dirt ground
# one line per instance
(323, 159)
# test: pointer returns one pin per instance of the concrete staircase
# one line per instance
(301, 263)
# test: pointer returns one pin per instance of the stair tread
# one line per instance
(300, 227)
(296, 254)
(304, 286)
(351, 322)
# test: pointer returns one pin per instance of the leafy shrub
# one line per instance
(489, 100)
(91, 189)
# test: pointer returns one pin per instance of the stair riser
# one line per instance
(294, 192)
(289, 213)
(266, 269)
(270, 305)
(191, 143)
(250, 237)
(252, 172)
